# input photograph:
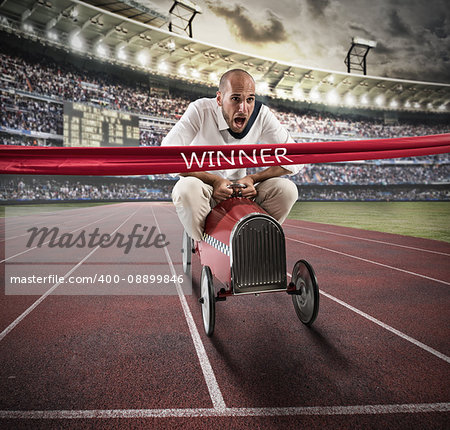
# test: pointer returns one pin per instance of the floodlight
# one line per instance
(182, 70)
(349, 99)
(280, 93)
(297, 92)
(28, 27)
(76, 42)
(379, 101)
(195, 73)
(163, 67)
(171, 45)
(142, 58)
(364, 99)
(393, 104)
(102, 50)
(332, 97)
(52, 35)
(356, 58)
(314, 95)
(213, 77)
(262, 87)
(121, 54)
(364, 42)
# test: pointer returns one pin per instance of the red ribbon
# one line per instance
(180, 159)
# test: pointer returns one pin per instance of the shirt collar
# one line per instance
(221, 120)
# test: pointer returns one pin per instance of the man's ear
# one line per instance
(219, 98)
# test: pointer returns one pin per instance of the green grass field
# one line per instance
(28, 209)
(430, 220)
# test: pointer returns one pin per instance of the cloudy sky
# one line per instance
(413, 36)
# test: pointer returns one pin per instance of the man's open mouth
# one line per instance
(239, 122)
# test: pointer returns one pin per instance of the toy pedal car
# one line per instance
(244, 248)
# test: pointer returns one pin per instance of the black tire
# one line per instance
(186, 250)
(306, 304)
(207, 300)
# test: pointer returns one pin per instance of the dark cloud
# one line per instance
(383, 49)
(438, 26)
(359, 30)
(397, 27)
(317, 7)
(434, 73)
(413, 36)
(246, 29)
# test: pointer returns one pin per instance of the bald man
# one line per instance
(232, 117)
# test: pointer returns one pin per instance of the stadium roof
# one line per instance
(126, 32)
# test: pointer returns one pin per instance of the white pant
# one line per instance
(193, 201)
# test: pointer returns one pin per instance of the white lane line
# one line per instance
(408, 408)
(13, 224)
(389, 328)
(48, 292)
(368, 240)
(45, 243)
(371, 261)
(38, 224)
(35, 225)
(374, 320)
(208, 373)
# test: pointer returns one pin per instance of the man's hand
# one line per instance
(220, 189)
(219, 184)
(250, 190)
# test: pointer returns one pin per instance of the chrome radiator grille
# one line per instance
(258, 255)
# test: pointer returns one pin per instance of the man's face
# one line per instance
(237, 101)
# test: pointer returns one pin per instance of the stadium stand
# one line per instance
(43, 88)
(74, 188)
(33, 90)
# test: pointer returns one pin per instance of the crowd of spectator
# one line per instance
(21, 113)
(371, 194)
(62, 83)
(152, 136)
(47, 189)
(27, 140)
(371, 174)
(23, 189)
(320, 124)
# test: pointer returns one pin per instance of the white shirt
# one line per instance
(203, 124)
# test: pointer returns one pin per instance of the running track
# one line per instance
(378, 355)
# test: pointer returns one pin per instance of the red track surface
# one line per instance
(376, 357)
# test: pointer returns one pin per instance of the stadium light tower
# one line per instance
(184, 12)
(357, 54)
